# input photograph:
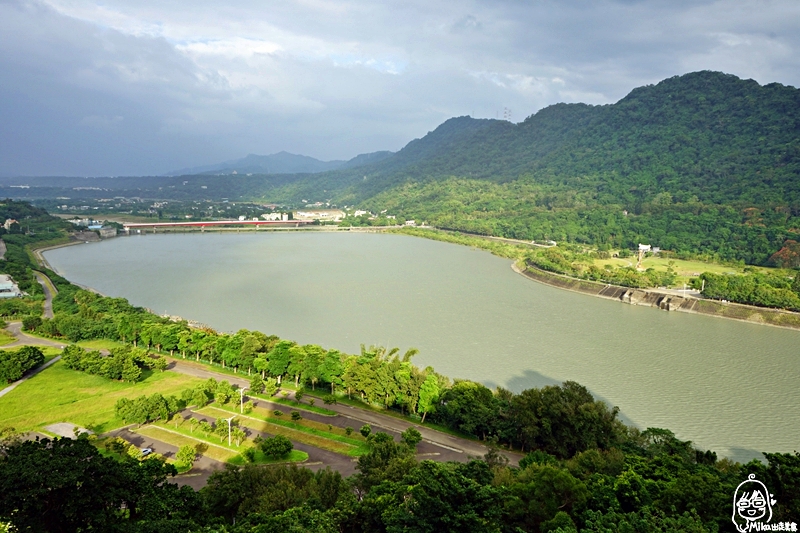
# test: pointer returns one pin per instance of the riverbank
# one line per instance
(664, 300)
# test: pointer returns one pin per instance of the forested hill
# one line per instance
(702, 164)
(705, 134)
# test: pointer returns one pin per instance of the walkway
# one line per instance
(49, 292)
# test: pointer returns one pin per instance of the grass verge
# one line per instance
(296, 405)
(58, 394)
(296, 431)
(220, 452)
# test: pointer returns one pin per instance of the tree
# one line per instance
(238, 435)
(257, 384)
(186, 455)
(411, 437)
(365, 430)
(83, 490)
(131, 372)
(160, 363)
(276, 447)
(31, 323)
(296, 416)
(428, 395)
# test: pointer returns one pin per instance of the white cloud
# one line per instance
(206, 81)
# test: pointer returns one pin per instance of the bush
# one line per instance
(329, 399)
(14, 364)
(296, 416)
(365, 430)
(30, 323)
(276, 447)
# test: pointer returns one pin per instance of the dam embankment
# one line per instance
(664, 300)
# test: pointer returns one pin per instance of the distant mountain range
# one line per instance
(704, 163)
(280, 163)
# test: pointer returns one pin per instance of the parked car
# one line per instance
(146, 451)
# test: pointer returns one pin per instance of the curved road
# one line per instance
(49, 291)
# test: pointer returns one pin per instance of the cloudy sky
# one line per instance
(131, 87)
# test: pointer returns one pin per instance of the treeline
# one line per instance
(651, 482)
(376, 375)
(14, 363)
(752, 287)
(143, 409)
(571, 260)
(123, 363)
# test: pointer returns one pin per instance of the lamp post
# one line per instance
(241, 399)
(229, 420)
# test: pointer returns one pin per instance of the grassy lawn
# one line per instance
(217, 451)
(291, 403)
(295, 456)
(6, 337)
(59, 394)
(303, 431)
(684, 268)
(100, 344)
(214, 451)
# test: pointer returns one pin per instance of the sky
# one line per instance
(143, 87)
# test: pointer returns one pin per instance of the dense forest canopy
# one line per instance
(704, 163)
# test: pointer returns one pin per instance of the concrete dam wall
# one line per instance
(665, 301)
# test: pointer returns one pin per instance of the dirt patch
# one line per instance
(66, 429)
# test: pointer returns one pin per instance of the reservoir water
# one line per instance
(728, 386)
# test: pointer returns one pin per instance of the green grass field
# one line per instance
(296, 405)
(6, 337)
(684, 269)
(100, 344)
(59, 394)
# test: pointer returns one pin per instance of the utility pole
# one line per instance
(229, 420)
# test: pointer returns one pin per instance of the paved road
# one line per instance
(317, 457)
(49, 291)
(15, 328)
(196, 478)
(447, 446)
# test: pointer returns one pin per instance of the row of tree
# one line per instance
(124, 363)
(752, 287)
(14, 363)
(651, 482)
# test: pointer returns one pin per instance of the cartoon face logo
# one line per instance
(751, 502)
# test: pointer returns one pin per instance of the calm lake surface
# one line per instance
(728, 386)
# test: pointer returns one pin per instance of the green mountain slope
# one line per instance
(701, 164)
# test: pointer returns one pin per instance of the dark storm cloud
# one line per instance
(129, 87)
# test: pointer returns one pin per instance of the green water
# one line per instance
(726, 385)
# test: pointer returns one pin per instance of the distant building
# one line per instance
(8, 222)
(106, 232)
(410, 223)
(8, 289)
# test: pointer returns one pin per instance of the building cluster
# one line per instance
(8, 289)
(334, 215)
(95, 225)
(275, 216)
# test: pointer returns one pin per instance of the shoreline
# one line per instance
(646, 297)
(669, 302)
